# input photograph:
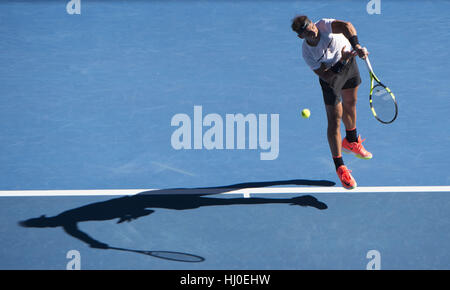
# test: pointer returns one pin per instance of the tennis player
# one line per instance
(329, 49)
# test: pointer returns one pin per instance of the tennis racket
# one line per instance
(166, 255)
(382, 101)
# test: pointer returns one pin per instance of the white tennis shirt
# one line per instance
(328, 50)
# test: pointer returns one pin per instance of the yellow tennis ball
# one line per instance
(306, 113)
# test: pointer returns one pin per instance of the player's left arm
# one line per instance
(349, 31)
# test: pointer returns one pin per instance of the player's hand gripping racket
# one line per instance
(382, 100)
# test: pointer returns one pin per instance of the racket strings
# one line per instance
(383, 104)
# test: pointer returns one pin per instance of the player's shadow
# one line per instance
(129, 208)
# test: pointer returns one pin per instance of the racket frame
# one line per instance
(373, 78)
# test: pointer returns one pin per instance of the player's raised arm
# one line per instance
(349, 31)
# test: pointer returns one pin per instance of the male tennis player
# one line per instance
(327, 50)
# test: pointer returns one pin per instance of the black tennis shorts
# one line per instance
(348, 78)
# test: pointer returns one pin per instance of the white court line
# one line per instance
(246, 191)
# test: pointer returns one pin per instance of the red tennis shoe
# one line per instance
(348, 182)
(356, 148)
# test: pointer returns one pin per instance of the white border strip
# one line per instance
(246, 191)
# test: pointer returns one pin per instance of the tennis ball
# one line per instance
(306, 113)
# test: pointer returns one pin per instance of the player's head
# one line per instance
(304, 27)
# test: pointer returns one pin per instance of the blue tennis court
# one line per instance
(108, 138)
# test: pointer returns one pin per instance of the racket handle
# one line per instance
(369, 66)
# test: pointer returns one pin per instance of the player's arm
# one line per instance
(349, 31)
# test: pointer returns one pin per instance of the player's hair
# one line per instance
(298, 22)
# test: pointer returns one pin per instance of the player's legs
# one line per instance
(352, 143)
(334, 109)
(334, 116)
(349, 99)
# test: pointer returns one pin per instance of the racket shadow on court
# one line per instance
(129, 208)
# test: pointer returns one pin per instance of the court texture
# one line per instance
(98, 110)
